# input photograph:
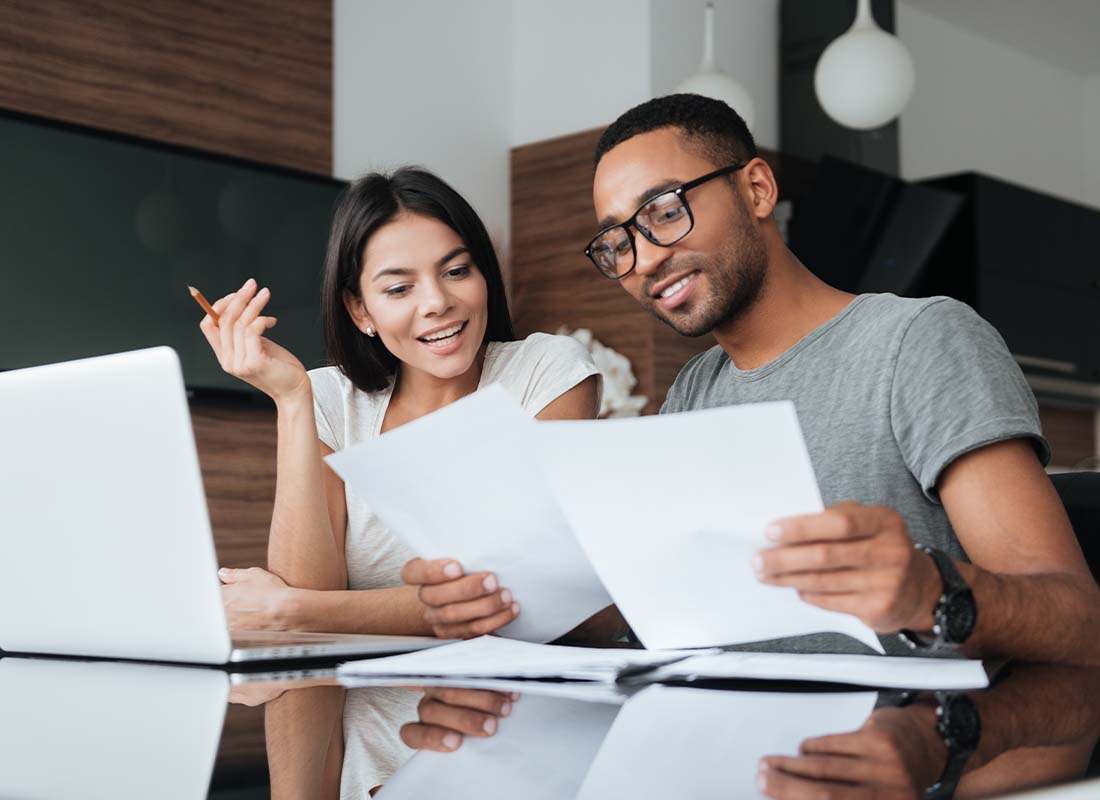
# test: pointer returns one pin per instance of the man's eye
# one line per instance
(669, 214)
(622, 247)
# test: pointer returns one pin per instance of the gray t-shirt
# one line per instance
(889, 392)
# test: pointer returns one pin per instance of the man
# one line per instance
(919, 424)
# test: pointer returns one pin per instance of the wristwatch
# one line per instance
(955, 614)
(960, 725)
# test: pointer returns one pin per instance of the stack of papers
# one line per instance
(495, 658)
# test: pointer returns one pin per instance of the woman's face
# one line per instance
(423, 295)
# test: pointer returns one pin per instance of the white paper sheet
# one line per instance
(542, 751)
(670, 511)
(859, 670)
(676, 742)
(496, 657)
(462, 483)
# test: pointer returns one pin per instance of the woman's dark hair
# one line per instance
(367, 205)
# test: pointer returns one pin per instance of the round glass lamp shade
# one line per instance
(864, 78)
(720, 87)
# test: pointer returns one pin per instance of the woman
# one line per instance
(415, 317)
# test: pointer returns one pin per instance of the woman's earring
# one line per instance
(370, 331)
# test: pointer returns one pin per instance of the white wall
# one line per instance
(980, 105)
(746, 48)
(426, 82)
(576, 65)
(1090, 125)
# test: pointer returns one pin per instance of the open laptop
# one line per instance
(105, 541)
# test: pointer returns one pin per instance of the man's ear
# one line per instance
(763, 190)
(358, 312)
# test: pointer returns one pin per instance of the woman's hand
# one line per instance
(255, 600)
(445, 715)
(238, 342)
(459, 606)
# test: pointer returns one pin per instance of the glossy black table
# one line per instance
(73, 729)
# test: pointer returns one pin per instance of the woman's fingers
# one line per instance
(210, 329)
(468, 587)
(227, 323)
(421, 571)
(477, 627)
(470, 610)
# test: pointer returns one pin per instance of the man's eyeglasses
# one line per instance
(663, 219)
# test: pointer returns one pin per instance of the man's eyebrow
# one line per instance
(382, 273)
(655, 189)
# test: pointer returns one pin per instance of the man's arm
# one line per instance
(1035, 596)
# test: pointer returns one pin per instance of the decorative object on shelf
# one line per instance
(709, 81)
(618, 377)
(865, 77)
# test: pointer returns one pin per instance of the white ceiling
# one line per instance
(1065, 33)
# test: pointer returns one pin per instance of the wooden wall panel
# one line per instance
(247, 78)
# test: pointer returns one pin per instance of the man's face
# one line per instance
(712, 274)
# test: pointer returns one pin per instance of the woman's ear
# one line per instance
(358, 313)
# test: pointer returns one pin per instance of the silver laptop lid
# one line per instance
(106, 542)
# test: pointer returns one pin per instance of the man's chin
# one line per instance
(685, 324)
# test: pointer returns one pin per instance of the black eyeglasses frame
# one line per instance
(680, 191)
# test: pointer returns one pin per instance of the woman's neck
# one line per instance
(418, 393)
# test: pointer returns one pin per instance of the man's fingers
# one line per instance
(421, 571)
(845, 744)
(469, 587)
(469, 610)
(779, 784)
(467, 721)
(814, 557)
(419, 736)
(843, 521)
(825, 767)
(480, 627)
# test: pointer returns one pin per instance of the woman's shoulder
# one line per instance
(535, 348)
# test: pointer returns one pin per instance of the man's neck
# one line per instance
(792, 303)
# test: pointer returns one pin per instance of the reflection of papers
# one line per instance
(681, 742)
(858, 670)
(542, 750)
(671, 509)
(461, 483)
(588, 691)
(495, 657)
(108, 730)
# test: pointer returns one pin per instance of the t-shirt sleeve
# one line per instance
(327, 401)
(956, 388)
(553, 365)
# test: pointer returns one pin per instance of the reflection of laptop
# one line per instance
(105, 544)
(105, 729)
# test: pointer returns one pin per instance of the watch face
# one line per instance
(961, 614)
(960, 724)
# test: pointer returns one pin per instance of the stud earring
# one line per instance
(370, 331)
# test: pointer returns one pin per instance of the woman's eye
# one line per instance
(397, 291)
(458, 272)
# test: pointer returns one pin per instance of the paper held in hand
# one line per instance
(668, 512)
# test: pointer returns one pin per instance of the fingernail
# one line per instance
(451, 740)
(515, 608)
(774, 532)
(758, 564)
(490, 583)
(489, 726)
(762, 780)
(250, 282)
(506, 597)
(223, 573)
(452, 570)
(505, 709)
(514, 696)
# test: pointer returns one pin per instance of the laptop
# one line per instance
(105, 542)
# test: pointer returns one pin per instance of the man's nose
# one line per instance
(648, 256)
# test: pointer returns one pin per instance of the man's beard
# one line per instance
(736, 277)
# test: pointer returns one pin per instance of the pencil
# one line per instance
(209, 309)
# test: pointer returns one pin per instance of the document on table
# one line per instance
(462, 483)
(496, 657)
(887, 672)
(667, 738)
(671, 509)
(543, 749)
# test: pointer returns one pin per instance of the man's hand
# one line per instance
(445, 715)
(459, 606)
(856, 559)
(255, 599)
(896, 754)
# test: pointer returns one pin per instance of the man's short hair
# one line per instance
(716, 129)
